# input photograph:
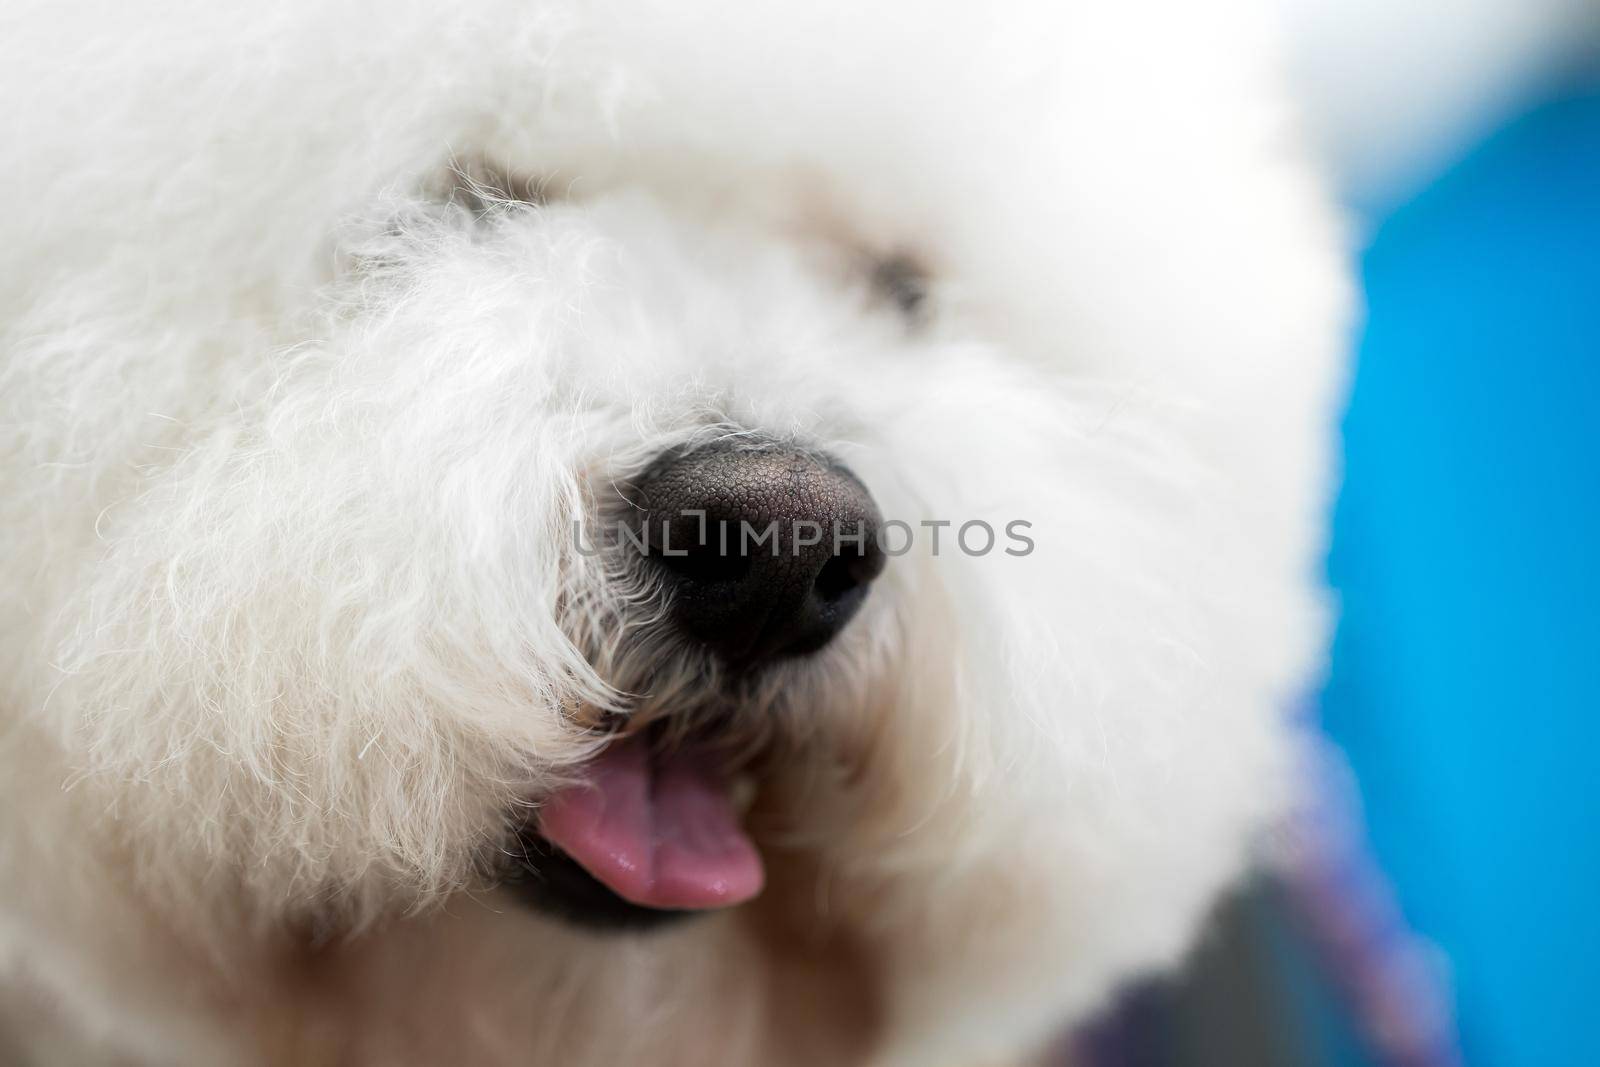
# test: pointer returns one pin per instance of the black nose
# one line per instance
(768, 552)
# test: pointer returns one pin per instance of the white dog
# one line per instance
(349, 350)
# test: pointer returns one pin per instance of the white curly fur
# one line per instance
(294, 429)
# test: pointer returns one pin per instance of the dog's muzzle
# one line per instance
(765, 553)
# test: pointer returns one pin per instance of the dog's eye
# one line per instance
(901, 280)
(481, 186)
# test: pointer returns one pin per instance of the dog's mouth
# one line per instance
(647, 833)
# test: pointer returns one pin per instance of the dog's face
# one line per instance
(436, 570)
(379, 624)
(932, 571)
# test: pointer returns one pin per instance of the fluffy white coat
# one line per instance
(291, 445)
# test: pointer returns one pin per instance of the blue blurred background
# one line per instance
(1454, 918)
(1465, 673)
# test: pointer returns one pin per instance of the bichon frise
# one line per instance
(584, 534)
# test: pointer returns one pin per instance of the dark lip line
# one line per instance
(553, 883)
(706, 731)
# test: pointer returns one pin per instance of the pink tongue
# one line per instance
(659, 834)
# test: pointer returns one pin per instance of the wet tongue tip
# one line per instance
(662, 836)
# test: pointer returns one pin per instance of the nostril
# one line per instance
(846, 573)
(836, 579)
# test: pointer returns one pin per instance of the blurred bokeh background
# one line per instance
(1444, 909)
